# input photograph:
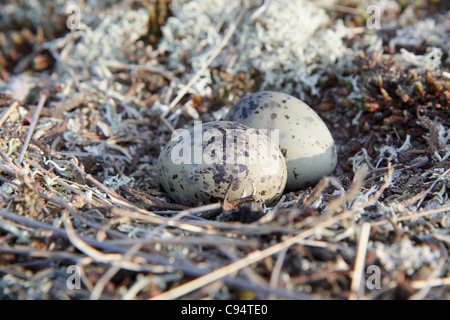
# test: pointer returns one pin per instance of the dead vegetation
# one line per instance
(78, 185)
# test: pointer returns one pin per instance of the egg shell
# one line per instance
(305, 140)
(200, 164)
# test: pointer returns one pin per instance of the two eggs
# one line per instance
(302, 152)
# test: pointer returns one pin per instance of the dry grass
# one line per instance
(78, 187)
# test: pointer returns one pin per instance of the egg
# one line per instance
(209, 160)
(304, 139)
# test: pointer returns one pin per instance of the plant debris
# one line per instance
(84, 114)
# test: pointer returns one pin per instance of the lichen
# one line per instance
(287, 42)
(405, 255)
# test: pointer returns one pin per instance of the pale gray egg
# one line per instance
(200, 164)
(305, 140)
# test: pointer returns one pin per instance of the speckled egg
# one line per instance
(199, 165)
(305, 140)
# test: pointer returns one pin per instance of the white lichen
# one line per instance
(115, 182)
(404, 255)
(290, 42)
(431, 60)
(106, 41)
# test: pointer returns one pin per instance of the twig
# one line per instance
(119, 65)
(204, 241)
(8, 112)
(249, 273)
(140, 284)
(358, 182)
(316, 276)
(442, 237)
(275, 275)
(339, 8)
(260, 10)
(419, 284)
(32, 126)
(39, 253)
(322, 184)
(150, 201)
(90, 154)
(412, 216)
(359, 263)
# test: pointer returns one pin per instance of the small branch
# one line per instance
(342, 9)
(413, 216)
(54, 255)
(275, 275)
(32, 126)
(150, 201)
(8, 112)
(358, 272)
(119, 65)
(419, 284)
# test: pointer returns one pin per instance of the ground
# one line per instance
(85, 110)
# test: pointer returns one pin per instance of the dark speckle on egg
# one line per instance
(244, 113)
(242, 167)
